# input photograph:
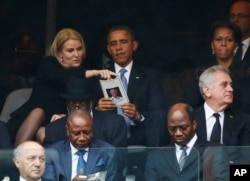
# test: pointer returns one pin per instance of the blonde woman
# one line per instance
(67, 53)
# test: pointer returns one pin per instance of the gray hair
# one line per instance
(207, 78)
(19, 150)
(112, 90)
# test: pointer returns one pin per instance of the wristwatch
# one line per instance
(140, 118)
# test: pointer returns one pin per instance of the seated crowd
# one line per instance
(68, 129)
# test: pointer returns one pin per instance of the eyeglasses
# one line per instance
(240, 15)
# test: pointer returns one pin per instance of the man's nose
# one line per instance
(37, 162)
(82, 137)
(118, 46)
(178, 132)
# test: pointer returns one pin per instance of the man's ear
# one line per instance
(108, 49)
(135, 45)
(206, 91)
(16, 162)
(195, 124)
(67, 129)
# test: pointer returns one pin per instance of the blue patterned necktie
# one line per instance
(119, 111)
(183, 157)
(123, 78)
(81, 164)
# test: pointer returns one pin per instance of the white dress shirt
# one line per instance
(189, 145)
(128, 68)
(210, 121)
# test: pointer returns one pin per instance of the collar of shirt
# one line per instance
(74, 150)
(128, 68)
(245, 46)
(210, 120)
(22, 179)
(74, 159)
(190, 145)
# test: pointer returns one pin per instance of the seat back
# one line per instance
(13, 101)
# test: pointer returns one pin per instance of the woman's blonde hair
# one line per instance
(61, 37)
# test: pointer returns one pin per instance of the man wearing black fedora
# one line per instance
(108, 126)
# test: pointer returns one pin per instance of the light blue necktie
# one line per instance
(119, 111)
(123, 78)
(81, 164)
(183, 157)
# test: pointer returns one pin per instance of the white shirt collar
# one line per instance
(189, 145)
(22, 179)
(74, 150)
(128, 67)
(209, 111)
(246, 42)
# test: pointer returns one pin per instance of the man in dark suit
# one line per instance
(144, 113)
(231, 127)
(240, 15)
(108, 126)
(98, 155)
(167, 163)
(216, 88)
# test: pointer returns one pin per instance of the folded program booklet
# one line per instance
(98, 176)
(114, 89)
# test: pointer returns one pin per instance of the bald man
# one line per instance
(29, 158)
(98, 155)
(163, 164)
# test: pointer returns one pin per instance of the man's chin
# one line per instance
(180, 142)
(37, 176)
(229, 102)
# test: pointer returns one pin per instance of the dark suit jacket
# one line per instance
(108, 127)
(8, 168)
(236, 129)
(236, 132)
(246, 58)
(162, 164)
(145, 91)
(245, 85)
(101, 157)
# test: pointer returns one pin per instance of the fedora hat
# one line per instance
(77, 89)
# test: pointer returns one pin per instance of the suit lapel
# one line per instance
(246, 58)
(193, 156)
(195, 153)
(228, 122)
(66, 159)
(93, 156)
(134, 82)
(135, 79)
(201, 121)
(171, 159)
